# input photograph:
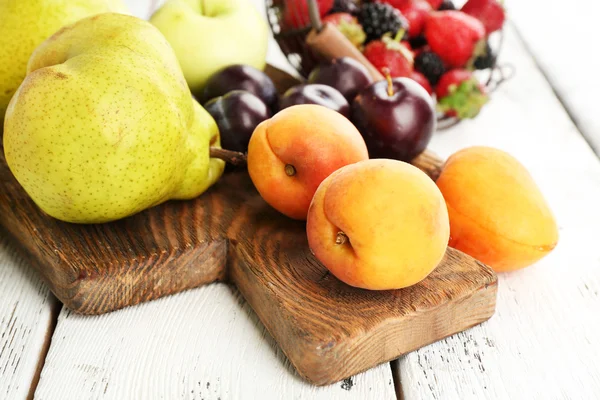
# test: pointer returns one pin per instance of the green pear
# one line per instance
(27, 23)
(208, 35)
(104, 124)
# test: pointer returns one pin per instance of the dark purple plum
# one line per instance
(322, 95)
(240, 77)
(345, 74)
(396, 118)
(237, 114)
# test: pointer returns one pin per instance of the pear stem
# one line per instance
(388, 78)
(234, 158)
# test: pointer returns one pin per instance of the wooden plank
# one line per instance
(543, 342)
(205, 343)
(27, 316)
(558, 35)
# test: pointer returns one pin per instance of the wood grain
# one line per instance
(27, 314)
(201, 344)
(544, 340)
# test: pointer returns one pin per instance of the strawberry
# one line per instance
(348, 25)
(421, 80)
(460, 94)
(456, 37)
(296, 13)
(416, 13)
(489, 12)
(390, 54)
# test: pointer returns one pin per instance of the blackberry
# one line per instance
(417, 41)
(378, 19)
(347, 6)
(486, 60)
(447, 5)
(430, 65)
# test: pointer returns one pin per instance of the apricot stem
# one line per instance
(388, 78)
(290, 170)
(341, 238)
(232, 157)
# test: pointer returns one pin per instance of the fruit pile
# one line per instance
(349, 179)
(102, 127)
(429, 41)
(395, 117)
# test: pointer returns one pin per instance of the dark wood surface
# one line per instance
(328, 330)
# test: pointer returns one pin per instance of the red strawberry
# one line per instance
(416, 13)
(420, 79)
(391, 54)
(489, 12)
(455, 36)
(349, 26)
(435, 4)
(296, 14)
(460, 94)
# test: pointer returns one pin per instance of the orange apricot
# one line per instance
(291, 153)
(497, 213)
(378, 224)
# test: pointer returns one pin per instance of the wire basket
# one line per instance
(293, 45)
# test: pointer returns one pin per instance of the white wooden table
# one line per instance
(542, 343)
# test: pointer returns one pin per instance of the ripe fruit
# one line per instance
(240, 77)
(348, 25)
(485, 60)
(104, 127)
(497, 213)
(430, 65)
(421, 80)
(416, 13)
(396, 117)
(378, 19)
(209, 35)
(490, 12)
(460, 94)
(345, 74)
(390, 56)
(290, 154)
(454, 36)
(378, 224)
(322, 95)
(237, 114)
(296, 14)
(26, 24)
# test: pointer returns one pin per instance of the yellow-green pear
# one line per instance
(27, 23)
(208, 35)
(104, 124)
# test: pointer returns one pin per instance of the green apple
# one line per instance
(208, 35)
(104, 124)
(27, 23)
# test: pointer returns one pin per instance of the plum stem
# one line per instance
(232, 157)
(290, 170)
(388, 78)
(341, 238)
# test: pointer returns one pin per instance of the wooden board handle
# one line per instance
(330, 43)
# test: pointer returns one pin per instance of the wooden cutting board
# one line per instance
(327, 329)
